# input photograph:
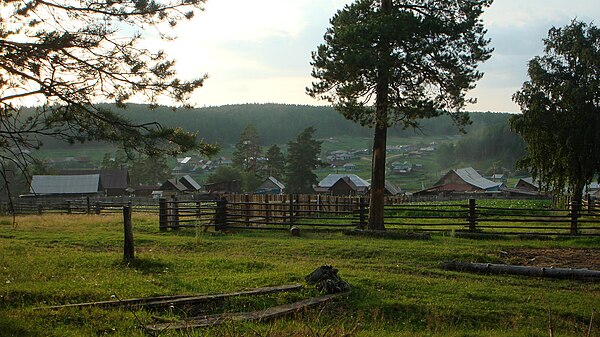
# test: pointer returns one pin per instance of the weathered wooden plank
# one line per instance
(489, 268)
(177, 299)
(260, 315)
(215, 297)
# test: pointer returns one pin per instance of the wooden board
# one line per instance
(260, 315)
(177, 299)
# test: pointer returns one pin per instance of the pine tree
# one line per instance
(395, 62)
(247, 150)
(303, 158)
(72, 55)
(275, 166)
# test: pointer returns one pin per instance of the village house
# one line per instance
(338, 155)
(270, 186)
(115, 182)
(224, 187)
(183, 185)
(349, 167)
(342, 184)
(465, 180)
(401, 167)
(65, 185)
(528, 184)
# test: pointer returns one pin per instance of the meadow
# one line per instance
(398, 287)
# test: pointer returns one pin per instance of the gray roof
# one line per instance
(70, 184)
(530, 181)
(392, 188)
(472, 177)
(276, 182)
(111, 178)
(190, 182)
(331, 179)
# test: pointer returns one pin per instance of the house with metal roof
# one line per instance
(173, 187)
(465, 180)
(342, 184)
(190, 183)
(528, 184)
(114, 181)
(66, 185)
(270, 186)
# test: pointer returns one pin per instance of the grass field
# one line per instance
(398, 288)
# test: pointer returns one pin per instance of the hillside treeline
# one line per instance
(279, 123)
(496, 144)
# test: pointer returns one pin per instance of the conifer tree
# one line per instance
(394, 62)
(303, 158)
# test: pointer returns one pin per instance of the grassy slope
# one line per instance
(398, 288)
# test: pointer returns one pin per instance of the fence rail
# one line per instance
(245, 212)
(280, 212)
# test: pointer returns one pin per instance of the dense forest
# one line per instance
(280, 123)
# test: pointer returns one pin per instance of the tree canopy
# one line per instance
(67, 56)
(560, 105)
(394, 62)
(247, 150)
(275, 165)
(303, 158)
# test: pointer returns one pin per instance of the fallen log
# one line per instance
(260, 315)
(396, 235)
(162, 301)
(490, 268)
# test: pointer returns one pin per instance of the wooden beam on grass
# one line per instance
(259, 315)
(177, 299)
(490, 268)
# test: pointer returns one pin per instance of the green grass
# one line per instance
(398, 287)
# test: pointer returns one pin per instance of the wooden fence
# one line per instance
(280, 212)
(248, 212)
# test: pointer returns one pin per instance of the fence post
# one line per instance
(175, 213)
(40, 209)
(199, 211)
(98, 208)
(291, 210)
(574, 217)
(128, 250)
(221, 214)
(590, 205)
(68, 206)
(472, 217)
(267, 209)
(247, 209)
(362, 213)
(163, 217)
(88, 206)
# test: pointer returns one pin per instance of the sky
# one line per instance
(260, 51)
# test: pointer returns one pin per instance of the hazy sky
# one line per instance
(259, 51)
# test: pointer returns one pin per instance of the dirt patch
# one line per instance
(553, 257)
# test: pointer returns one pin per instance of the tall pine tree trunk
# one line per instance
(376, 206)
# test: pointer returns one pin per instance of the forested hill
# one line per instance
(280, 123)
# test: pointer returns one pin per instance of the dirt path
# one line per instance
(553, 257)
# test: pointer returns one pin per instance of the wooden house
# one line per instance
(270, 186)
(528, 184)
(343, 184)
(65, 185)
(114, 181)
(224, 187)
(465, 180)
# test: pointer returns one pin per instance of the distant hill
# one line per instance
(280, 123)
